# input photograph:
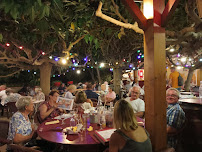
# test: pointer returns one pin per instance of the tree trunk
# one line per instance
(117, 74)
(92, 75)
(98, 75)
(45, 75)
(188, 81)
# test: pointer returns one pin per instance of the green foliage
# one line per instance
(1, 37)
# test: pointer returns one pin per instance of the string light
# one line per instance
(183, 59)
(56, 59)
(43, 53)
(73, 68)
(50, 57)
(67, 70)
(200, 59)
(75, 64)
(102, 65)
(172, 50)
(28, 70)
(117, 63)
(84, 69)
(138, 56)
(64, 61)
(67, 58)
(7, 44)
(54, 76)
(20, 47)
(138, 51)
(78, 71)
(111, 69)
(133, 68)
(34, 72)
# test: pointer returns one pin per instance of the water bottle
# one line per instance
(99, 103)
(200, 90)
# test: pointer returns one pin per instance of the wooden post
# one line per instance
(155, 85)
(154, 66)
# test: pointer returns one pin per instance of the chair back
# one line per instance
(37, 118)
(95, 101)
(11, 108)
(4, 125)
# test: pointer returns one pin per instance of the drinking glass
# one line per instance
(62, 118)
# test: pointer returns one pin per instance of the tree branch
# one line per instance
(73, 43)
(11, 74)
(114, 21)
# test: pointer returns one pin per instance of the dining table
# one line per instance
(83, 141)
(195, 100)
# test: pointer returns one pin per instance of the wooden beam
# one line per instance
(168, 11)
(136, 13)
(155, 85)
(158, 10)
(199, 6)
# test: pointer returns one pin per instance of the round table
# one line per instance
(85, 141)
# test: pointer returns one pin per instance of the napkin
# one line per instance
(70, 130)
(52, 122)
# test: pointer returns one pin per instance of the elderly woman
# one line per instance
(81, 100)
(71, 89)
(49, 109)
(20, 128)
(128, 136)
(39, 94)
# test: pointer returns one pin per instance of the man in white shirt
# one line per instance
(3, 94)
(137, 103)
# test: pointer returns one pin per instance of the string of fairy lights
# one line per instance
(79, 66)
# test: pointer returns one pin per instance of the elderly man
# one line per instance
(175, 115)
(137, 103)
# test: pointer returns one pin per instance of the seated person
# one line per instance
(90, 94)
(137, 103)
(11, 97)
(175, 116)
(39, 96)
(49, 109)
(82, 101)
(128, 136)
(111, 95)
(20, 128)
(62, 88)
(70, 90)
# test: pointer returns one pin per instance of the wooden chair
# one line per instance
(94, 102)
(4, 126)
(11, 109)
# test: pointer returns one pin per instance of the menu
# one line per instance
(65, 103)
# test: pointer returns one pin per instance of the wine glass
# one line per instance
(62, 118)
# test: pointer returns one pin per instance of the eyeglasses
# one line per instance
(135, 92)
(171, 95)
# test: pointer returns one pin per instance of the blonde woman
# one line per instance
(128, 137)
(71, 89)
(81, 99)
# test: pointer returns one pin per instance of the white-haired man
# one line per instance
(175, 115)
(137, 103)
